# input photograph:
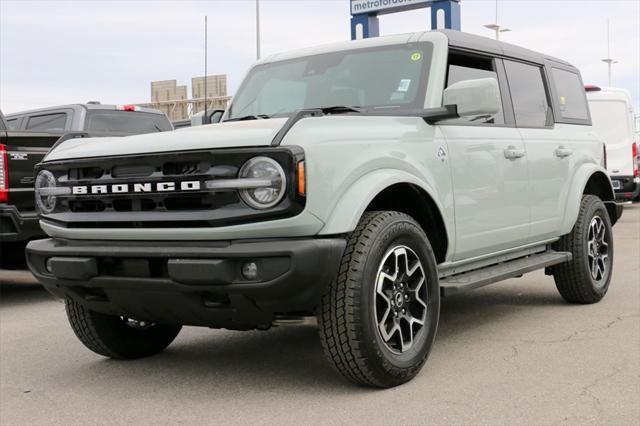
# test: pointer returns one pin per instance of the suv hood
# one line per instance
(222, 135)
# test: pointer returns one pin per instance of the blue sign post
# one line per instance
(364, 14)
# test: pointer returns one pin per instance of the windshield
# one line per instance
(126, 122)
(375, 78)
(609, 120)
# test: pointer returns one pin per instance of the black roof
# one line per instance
(485, 44)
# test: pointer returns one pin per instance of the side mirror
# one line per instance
(213, 116)
(216, 116)
(474, 97)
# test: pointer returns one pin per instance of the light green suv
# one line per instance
(356, 183)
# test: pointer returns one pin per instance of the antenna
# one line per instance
(609, 61)
(257, 29)
(205, 117)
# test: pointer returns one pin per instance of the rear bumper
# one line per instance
(191, 283)
(629, 187)
(17, 226)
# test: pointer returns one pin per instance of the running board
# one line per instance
(480, 277)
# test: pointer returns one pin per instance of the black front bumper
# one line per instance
(17, 226)
(190, 283)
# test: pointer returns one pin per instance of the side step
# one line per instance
(480, 277)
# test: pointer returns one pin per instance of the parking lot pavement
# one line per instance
(511, 353)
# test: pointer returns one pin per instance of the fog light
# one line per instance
(48, 265)
(250, 270)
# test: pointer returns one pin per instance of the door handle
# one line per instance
(563, 152)
(513, 153)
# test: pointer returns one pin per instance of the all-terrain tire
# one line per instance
(349, 324)
(575, 280)
(112, 337)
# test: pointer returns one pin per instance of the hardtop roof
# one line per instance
(77, 107)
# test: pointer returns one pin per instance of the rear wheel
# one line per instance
(118, 337)
(379, 317)
(586, 278)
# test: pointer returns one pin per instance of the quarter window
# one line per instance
(12, 124)
(463, 68)
(47, 122)
(571, 96)
(528, 95)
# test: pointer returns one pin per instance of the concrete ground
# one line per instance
(511, 353)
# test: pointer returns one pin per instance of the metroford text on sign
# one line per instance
(372, 6)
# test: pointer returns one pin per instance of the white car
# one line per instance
(614, 121)
(356, 183)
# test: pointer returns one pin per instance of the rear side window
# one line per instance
(12, 124)
(571, 95)
(126, 122)
(462, 68)
(48, 122)
(528, 95)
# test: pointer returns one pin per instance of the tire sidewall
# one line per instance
(394, 233)
(596, 208)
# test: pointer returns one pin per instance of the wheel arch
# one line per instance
(589, 180)
(396, 191)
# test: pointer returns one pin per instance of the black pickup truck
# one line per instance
(19, 153)
(25, 138)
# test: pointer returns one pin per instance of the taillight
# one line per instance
(4, 175)
(634, 152)
(604, 156)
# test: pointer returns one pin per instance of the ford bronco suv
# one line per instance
(355, 183)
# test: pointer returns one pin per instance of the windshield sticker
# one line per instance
(404, 85)
(397, 96)
(416, 56)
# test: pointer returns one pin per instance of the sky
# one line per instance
(58, 52)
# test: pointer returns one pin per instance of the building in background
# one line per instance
(172, 99)
(164, 91)
(216, 88)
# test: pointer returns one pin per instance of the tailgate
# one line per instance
(24, 151)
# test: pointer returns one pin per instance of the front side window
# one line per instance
(48, 122)
(462, 68)
(571, 95)
(377, 78)
(528, 94)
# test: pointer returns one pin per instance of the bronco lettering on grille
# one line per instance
(123, 188)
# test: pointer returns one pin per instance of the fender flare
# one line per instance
(353, 202)
(576, 191)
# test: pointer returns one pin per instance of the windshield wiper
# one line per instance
(248, 117)
(340, 109)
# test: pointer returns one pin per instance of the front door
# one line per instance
(489, 169)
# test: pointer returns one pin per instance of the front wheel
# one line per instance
(378, 318)
(586, 278)
(118, 337)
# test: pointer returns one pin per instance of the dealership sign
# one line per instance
(380, 6)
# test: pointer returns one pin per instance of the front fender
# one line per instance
(577, 189)
(357, 197)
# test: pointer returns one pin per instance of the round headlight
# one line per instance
(269, 182)
(45, 190)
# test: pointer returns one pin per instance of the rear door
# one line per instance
(488, 166)
(613, 123)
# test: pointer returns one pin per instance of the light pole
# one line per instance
(495, 27)
(609, 61)
(257, 29)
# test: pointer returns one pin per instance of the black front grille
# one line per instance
(155, 208)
